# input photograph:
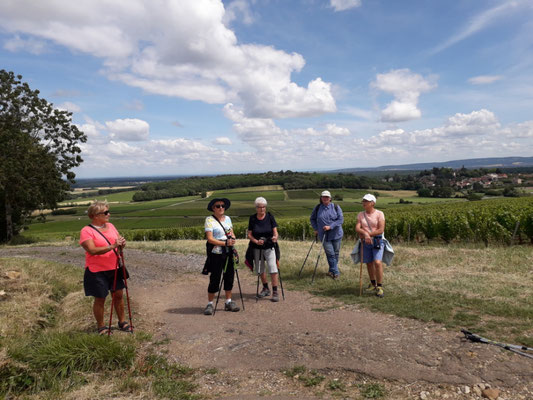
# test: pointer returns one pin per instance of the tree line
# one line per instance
(193, 186)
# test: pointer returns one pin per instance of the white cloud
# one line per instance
(463, 135)
(482, 21)
(128, 129)
(69, 106)
(484, 79)
(31, 45)
(180, 49)
(276, 144)
(406, 87)
(225, 141)
(522, 130)
(334, 130)
(342, 5)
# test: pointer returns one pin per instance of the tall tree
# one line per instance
(38, 149)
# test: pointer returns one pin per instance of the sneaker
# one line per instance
(209, 309)
(336, 276)
(275, 297)
(264, 293)
(379, 291)
(231, 306)
(371, 288)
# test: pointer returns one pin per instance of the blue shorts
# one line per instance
(370, 253)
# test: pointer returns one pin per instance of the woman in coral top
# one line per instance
(101, 241)
(370, 226)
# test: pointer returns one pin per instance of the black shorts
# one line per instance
(98, 284)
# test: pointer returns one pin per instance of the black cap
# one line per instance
(227, 203)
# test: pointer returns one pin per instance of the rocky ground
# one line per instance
(244, 354)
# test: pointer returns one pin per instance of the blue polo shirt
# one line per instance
(331, 216)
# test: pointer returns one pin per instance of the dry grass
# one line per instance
(45, 351)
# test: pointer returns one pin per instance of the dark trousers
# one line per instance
(218, 262)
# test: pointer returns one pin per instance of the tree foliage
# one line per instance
(38, 149)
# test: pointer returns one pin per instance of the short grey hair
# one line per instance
(260, 200)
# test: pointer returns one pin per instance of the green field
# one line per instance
(191, 211)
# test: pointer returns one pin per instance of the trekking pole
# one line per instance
(112, 299)
(361, 270)
(301, 269)
(280, 281)
(239, 283)
(258, 267)
(126, 285)
(318, 258)
(511, 347)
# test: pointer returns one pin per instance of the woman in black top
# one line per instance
(263, 234)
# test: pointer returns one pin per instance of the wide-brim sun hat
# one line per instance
(369, 197)
(325, 193)
(227, 203)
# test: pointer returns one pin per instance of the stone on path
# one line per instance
(491, 394)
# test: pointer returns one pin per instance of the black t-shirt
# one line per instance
(262, 228)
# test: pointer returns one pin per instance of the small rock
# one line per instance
(12, 274)
(491, 394)
(3, 295)
(423, 395)
(477, 390)
(467, 389)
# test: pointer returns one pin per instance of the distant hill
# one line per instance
(471, 163)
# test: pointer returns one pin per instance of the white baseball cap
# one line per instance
(369, 197)
(325, 193)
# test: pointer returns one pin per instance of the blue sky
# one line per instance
(207, 86)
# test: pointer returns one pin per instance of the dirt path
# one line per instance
(251, 347)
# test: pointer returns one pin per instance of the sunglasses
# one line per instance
(105, 213)
(220, 206)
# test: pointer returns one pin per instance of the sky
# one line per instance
(192, 87)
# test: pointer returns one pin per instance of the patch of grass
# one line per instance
(313, 378)
(211, 371)
(336, 384)
(174, 389)
(15, 379)
(130, 385)
(293, 371)
(372, 390)
(51, 361)
(143, 337)
(169, 379)
(162, 342)
(62, 354)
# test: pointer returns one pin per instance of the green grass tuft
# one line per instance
(372, 390)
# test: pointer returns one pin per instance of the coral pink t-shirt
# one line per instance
(373, 218)
(102, 262)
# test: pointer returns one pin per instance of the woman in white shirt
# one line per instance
(220, 242)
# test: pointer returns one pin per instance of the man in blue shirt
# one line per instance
(326, 219)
